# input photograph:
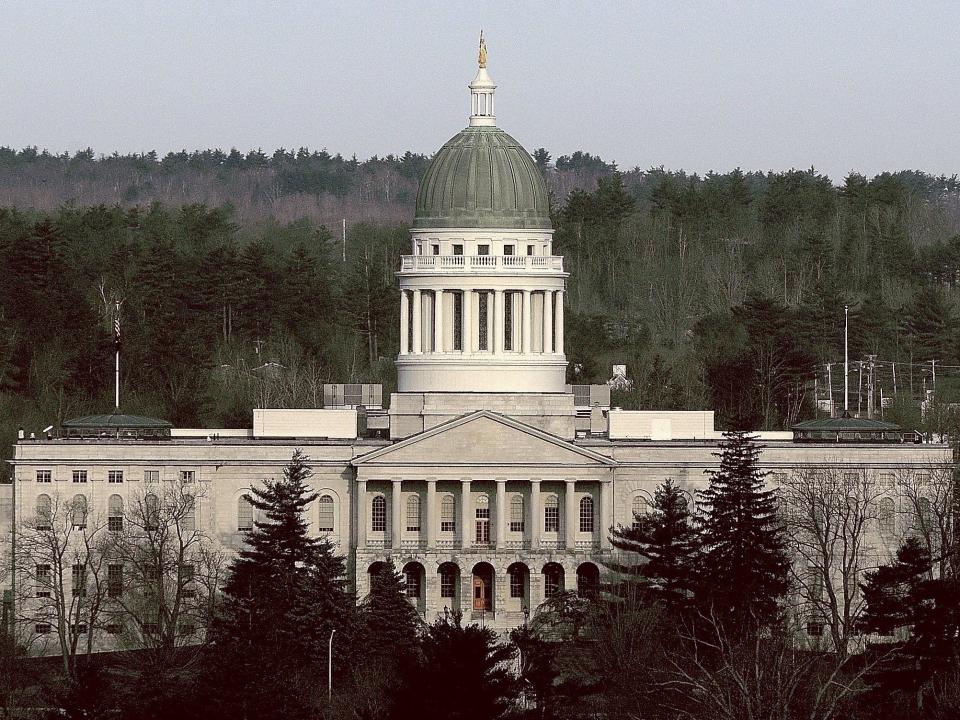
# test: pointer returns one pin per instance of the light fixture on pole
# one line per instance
(330, 666)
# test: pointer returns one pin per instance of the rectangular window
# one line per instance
(115, 523)
(378, 515)
(42, 628)
(814, 629)
(151, 628)
(115, 476)
(151, 476)
(483, 249)
(188, 588)
(79, 476)
(886, 480)
(114, 581)
(435, 249)
(114, 629)
(187, 476)
(186, 629)
(508, 249)
(80, 629)
(44, 476)
(458, 249)
(530, 249)
(483, 302)
(508, 321)
(43, 581)
(80, 580)
(516, 514)
(458, 321)
(551, 519)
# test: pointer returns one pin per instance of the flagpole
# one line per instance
(116, 346)
(846, 358)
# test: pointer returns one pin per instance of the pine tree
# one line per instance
(464, 674)
(284, 595)
(902, 596)
(391, 622)
(666, 538)
(743, 564)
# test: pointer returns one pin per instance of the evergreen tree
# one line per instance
(904, 598)
(284, 595)
(391, 622)
(464, 674)
(666, 538)
(743, 564)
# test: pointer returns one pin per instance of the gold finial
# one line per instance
(482, 57)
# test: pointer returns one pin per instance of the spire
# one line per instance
(481, 92)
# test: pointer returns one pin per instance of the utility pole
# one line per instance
(344, 222)
(830, 387)
(933, 372)
(846, 358)
(870, 382)
(859, 385)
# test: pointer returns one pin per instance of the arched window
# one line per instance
(640, 508)
(448, 514)
(325, 503)
(78, 511)
(413, 513)
(412, 574)
(482, 513)
(516, 513)
(378, 514)
(518, 580)
(188, 521)
(244, 515)
(44, 512)
(448, 580)
(551, 514)
(151, 512)
(888, 525)
(586, 515)
(115, 514)
(552, 579)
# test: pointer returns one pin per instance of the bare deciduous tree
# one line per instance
(829, 514)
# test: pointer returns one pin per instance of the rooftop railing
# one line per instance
(457, 263)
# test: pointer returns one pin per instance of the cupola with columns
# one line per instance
(481, 292)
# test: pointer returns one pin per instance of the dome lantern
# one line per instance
(481, 92)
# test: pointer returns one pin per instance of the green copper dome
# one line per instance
(482, 178)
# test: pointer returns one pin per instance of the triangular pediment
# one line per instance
(485, 438)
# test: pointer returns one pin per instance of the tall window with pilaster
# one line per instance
(483, 301)
(448, 516)
(458, 320)
(508, 320)
(551, 514)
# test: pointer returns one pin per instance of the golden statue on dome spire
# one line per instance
(482, 56)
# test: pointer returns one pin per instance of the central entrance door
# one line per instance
(482, 588)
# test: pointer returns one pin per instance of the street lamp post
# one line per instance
(330, 666)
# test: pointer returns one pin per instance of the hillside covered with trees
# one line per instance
(723, 291)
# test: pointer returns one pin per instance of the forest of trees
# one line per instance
(722, 291)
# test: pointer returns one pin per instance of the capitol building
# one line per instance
(488, 481)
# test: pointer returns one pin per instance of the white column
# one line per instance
(361, 513)
(431, 513)
(500, 538)
(438, 321)
(466, 527)
(527, 323)
(466, 324)
(570, 513)
(559, 321)
(396, 518)
(534, 514)
(606, 514)
(404, 322)
(498, 308)
(548, 321)
(417, 317)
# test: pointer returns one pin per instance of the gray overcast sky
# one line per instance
(700, 86)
